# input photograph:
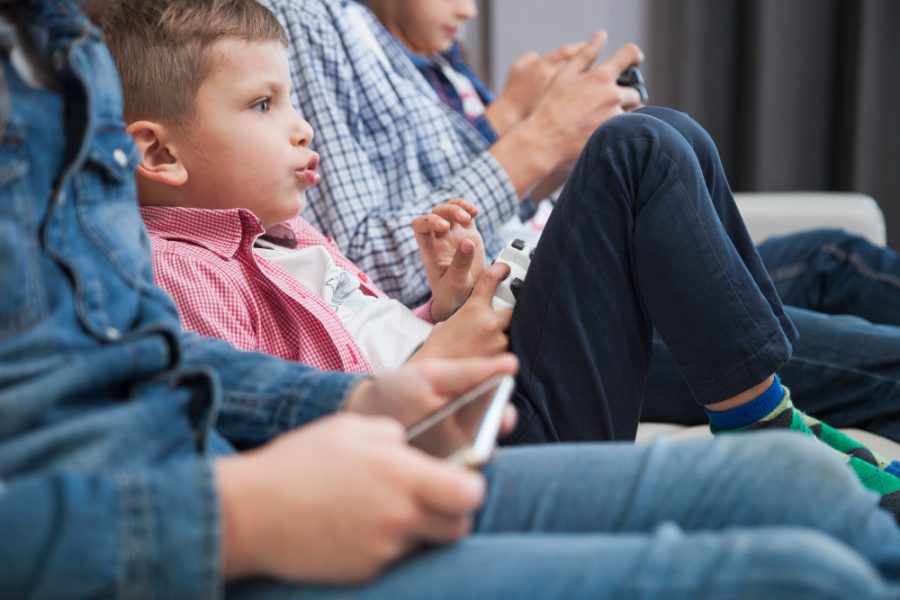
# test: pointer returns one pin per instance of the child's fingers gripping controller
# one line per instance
(632, 77)
(517, 255)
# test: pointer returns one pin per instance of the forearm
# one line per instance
(263, 396)
(502, 114)
(525, 156)
(148, 532)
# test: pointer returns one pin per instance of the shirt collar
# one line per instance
(423, 61)
(220, 231)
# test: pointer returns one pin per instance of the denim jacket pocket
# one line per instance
(106, 229)
(107, 204)
(22, 301)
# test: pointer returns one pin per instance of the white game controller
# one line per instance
(517, 255)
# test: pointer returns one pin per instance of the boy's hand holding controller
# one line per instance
(346, 496)
(452, 254)
(517, 256)
(476, 329)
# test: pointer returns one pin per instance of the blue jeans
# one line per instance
(645, 234)
(834, 272)
(843, 295)
(619, 521)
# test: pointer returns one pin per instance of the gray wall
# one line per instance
(512, 27)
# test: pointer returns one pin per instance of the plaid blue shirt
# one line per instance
(390, 148)
(448, 93)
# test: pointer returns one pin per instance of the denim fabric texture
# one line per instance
(674, 521)
(105, 408)
(834, 272)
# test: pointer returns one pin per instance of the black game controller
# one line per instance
(632, 77)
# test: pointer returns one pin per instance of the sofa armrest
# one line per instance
(768, 214)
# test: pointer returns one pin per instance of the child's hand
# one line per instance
(452, 252)
(476, 329)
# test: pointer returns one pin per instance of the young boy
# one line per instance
(427, 29)
(224, 169)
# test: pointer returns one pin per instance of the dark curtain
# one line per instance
(798, 94)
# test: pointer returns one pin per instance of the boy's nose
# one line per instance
(302, 134)
(466, 9)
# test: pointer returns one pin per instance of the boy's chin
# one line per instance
(442, 48)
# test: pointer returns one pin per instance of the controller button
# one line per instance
(515, 286)
(518, 244)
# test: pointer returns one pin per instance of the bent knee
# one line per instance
(638, 130)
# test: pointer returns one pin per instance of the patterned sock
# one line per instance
(773, 409)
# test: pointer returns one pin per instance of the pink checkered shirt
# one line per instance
(204, 259)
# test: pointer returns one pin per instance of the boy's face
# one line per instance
(428, 26)
(246, 146)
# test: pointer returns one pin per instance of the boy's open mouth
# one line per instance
(308, 173)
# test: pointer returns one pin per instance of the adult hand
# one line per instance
(452, 253)
(582, 97)
(579, 99)
(419, 387)
(476, 329)
(528, 78)
(337, 501)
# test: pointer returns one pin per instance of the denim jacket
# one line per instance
(106, 406)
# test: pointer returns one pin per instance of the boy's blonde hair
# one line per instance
(162, 47)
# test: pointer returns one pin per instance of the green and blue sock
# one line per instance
(773, 409)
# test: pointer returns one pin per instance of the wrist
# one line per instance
(525, 155)
(503, 114)
(233, 488)
(356, 399)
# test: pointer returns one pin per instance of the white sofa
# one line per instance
(768, 214)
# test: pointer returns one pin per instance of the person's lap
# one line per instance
(580, 520)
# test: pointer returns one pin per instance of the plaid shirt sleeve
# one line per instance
(390, 149)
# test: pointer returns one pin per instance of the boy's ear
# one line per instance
(159, 158)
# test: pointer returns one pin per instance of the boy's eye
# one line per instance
(262, 105)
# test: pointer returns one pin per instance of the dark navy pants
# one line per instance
(843, 295)
(645, 235)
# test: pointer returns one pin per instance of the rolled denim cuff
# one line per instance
(316, 396)
(170, 531)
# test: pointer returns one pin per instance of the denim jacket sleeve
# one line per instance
(263, 396)
(140, 533)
